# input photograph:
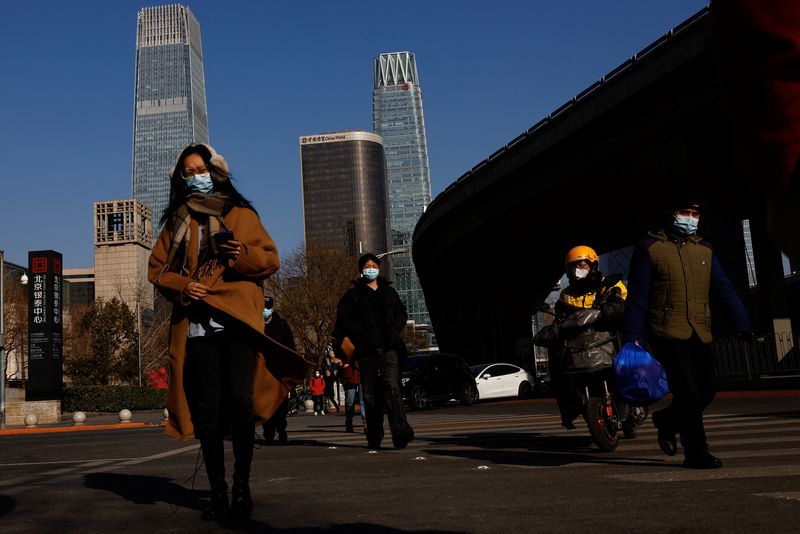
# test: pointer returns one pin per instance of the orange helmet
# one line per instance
(581, 252)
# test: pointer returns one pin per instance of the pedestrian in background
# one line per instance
(210, 261)
(317, 386)
(673, 274)
(350, 374)
(330, 387)
(278, 329)
(372, 315)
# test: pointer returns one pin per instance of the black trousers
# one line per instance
(380, 383)
(690, 372)
(567, 398)
(331, 395)
(218, 381)
(277, 421)
(319, 403)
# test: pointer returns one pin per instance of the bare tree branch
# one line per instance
(307, 289)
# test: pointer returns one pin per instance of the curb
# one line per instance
(75, 428)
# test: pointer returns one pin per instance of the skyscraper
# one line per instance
(169, 99)
(397, 118)
(344, 192)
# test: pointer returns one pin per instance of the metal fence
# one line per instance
(770, 357)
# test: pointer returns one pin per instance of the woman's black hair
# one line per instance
(220, 177)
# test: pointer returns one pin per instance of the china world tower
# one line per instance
(170, 99)
(397, 118)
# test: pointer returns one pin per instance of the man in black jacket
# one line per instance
(278, 329)
(372, 316)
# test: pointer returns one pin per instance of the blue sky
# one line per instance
(275, 71)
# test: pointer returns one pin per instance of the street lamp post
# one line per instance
(395, 251)
(139, 339)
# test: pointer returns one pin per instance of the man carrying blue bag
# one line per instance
(672, 275)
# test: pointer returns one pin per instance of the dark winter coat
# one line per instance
(669, 286)
(278, 329)
(371, 329)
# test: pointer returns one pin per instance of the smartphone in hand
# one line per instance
(221, 238)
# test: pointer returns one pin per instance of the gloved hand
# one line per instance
(614, 291)
(547, 336)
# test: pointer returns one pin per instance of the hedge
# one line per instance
(112, 398)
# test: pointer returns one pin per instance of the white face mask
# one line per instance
(581, 274)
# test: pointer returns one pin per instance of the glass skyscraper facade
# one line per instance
(169, 99)
(397, 118)
(344, 192)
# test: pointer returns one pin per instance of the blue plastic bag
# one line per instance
(641, 380)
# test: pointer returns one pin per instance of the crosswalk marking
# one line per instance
(788, 495)
(688, 475)
(772, 440)
(57, 476)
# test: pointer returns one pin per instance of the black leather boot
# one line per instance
(348, 420)
(214, 459)
(702, 461)
(218, 507)
(241, 501)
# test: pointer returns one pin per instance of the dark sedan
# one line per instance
(436, 377)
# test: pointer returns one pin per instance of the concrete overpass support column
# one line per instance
(772, 305)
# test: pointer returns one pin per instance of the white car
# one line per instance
(497, 380)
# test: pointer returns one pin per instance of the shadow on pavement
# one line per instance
(142, 489)
(538, 451)
(345, 528)
(7, 505)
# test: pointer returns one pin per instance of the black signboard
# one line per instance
(45, 330)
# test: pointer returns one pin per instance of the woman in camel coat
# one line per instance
(225, 374)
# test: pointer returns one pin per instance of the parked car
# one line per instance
(436, 377)
(496, 380)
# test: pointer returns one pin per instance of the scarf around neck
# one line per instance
(212, 205)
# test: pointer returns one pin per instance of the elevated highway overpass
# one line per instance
(591, 172)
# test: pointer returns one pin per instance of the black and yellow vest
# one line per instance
(681, 280)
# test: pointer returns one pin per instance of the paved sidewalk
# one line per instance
(94, 421)
(106, 421)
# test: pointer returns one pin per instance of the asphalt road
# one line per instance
(492, 467)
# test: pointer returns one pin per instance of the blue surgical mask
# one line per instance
(200, 183)
(370, 273)
(267, 313)
(685, 225)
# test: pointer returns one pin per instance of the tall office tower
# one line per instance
(344, 192)
(397, 117)
(123, 237)
(169, 101)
